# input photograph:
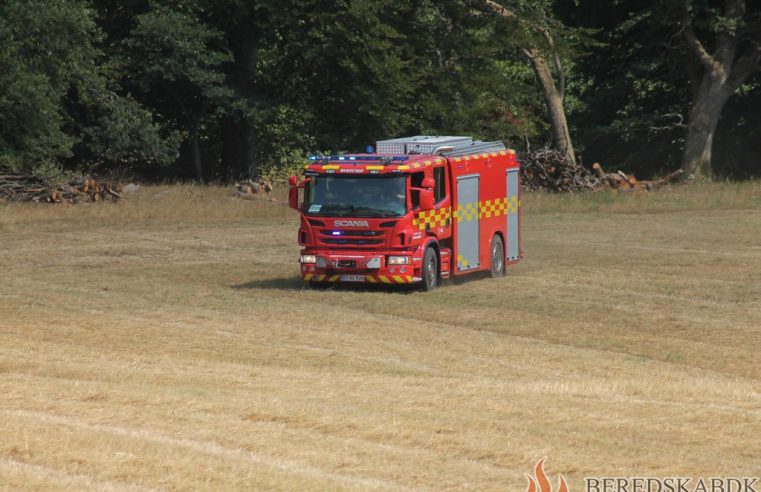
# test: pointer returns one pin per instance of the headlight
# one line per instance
(308, 259)
(398, 260)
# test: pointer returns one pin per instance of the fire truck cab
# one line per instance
(418, 210)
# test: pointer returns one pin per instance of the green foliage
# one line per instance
(121, 132)
(472, 79)
(344, 63)
(285, 138)
(636, 89)
(56, 104)
(44, 49)
(257, 84)
(174, 50)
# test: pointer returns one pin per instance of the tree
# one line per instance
(534, 29)
(468, 79)
(631, 87)
(59, 103)
(716, 73)
(174, 60)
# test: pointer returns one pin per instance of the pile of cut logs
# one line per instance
(252, 189)
(622, 182)
(549, 170)
(28, 188)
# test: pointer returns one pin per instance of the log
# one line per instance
(252, 187)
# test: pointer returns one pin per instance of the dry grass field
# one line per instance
(165, 343)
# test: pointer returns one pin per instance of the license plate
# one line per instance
(352, 278)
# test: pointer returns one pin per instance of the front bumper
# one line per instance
(360, 267)
(360, 278)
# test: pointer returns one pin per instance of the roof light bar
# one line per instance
(371, 158)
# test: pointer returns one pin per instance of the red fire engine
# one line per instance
(420, 209)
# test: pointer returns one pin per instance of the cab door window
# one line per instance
(439, 191)
(416, 181)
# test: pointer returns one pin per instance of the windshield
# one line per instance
(341, 196)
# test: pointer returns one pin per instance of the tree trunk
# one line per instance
(553, 99)
(197, 158)
(554, 93)
(232, 146)
(707, 106)
(715, 76)
(239, 139)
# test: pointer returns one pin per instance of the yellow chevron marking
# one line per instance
(433, 218)
(404, 168)
(374, 168)
(510, 151)
(370, 279)
(384, 279)
(308, 277)
(398, 279)
(330, 167)
(334, 278)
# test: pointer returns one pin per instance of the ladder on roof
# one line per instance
(422, 144)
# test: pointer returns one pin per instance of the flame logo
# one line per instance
(540, 479)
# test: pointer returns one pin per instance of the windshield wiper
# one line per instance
(372, 212)
(350, 210)
(336, 210)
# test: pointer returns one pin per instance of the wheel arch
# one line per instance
(434, 243)
(500, 234)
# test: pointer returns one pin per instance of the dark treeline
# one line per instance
(213, 90)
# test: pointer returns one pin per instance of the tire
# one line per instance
(497, 256)
(430, 270)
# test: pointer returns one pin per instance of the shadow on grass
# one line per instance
(466, 279)
(284, 283)
(295, 283)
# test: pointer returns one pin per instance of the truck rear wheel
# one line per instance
(497, 257)
(430, 270)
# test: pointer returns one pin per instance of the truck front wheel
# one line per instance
(430, 270)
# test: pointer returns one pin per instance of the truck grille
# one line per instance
(351, 241)
(354, 233)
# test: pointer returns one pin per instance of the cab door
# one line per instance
(442, 218)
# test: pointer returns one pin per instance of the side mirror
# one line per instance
(428, 183)
(293, 192)
(426, 199)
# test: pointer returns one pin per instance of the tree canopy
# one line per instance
(206, 90)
